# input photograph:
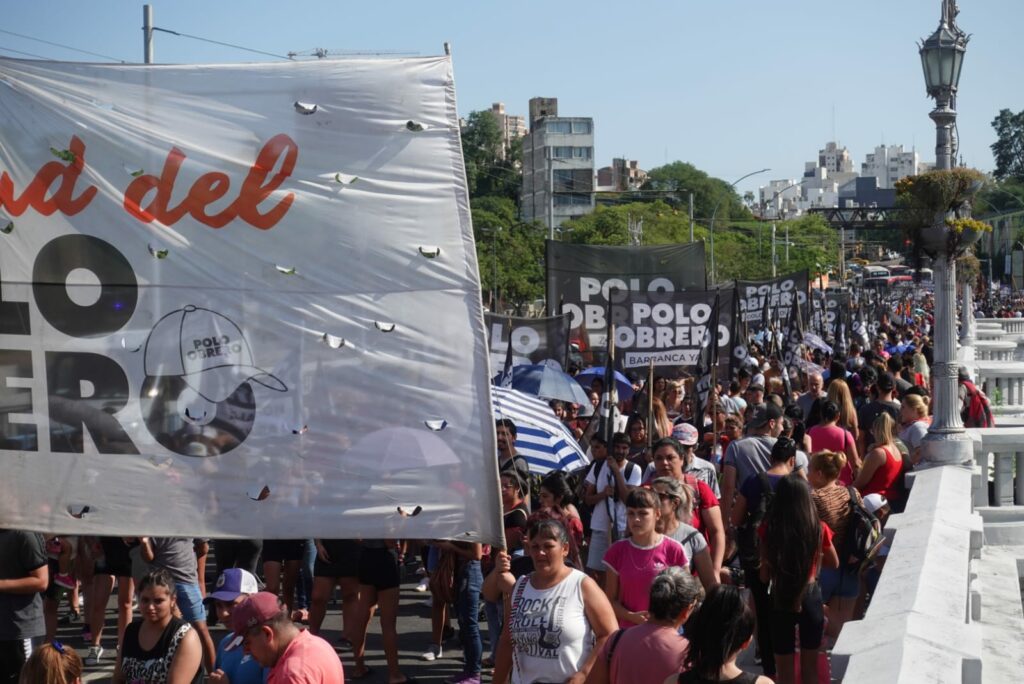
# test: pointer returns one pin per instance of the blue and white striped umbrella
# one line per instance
(541, 438)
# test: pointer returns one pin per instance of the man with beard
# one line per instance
(509, 462)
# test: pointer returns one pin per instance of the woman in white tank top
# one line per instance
(557, 618)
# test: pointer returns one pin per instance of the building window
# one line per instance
(582, 152)
(558, 127)
(574, 199)
(572, 180)
(582, 127)
(561, 152)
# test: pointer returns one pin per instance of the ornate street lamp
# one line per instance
(942, 56)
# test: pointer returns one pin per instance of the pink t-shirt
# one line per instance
(833, 438)
(646, 653)
(308, 659)
(637, 566)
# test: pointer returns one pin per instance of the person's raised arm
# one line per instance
(728, 490)
(500, 580)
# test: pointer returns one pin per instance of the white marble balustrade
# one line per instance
(1010, 325)
(994, 350)
(1007, 377)
(989, 334)
(999, 456)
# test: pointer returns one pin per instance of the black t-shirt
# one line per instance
(21, 615)
(871, 410)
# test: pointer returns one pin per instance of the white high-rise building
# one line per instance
(511, 125)
(889, 163)
(558, 165)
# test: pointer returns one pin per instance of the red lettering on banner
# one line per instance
(63, 200)
(210, 187)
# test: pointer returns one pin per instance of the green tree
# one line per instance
(490, 172)
(707, 191)
(1008, 149)
(510, 254)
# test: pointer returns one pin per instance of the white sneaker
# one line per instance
(424, 584)
(434, 653)
(94, 655)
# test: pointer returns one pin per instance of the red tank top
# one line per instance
(883, 480)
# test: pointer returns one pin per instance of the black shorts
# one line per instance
(378, 568)
(278, 550)
(810, 620)
(115, 560)
(344, 555)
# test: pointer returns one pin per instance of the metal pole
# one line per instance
(147, 34)
(773, 251)
(691, 217)
(787, 244)
(494, 271)
(551, 197)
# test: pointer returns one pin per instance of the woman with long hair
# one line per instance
(829, 435)
(884, 463)
(718, 631)
(794, 545)
(914, 422)
(159, 647)
(674, 521)
(555, 493)
(52, 663)
(839, 392)
(558, 618)
(633, 563)
(662, 424)
(839, 586)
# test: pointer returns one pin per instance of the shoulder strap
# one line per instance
(611, 648)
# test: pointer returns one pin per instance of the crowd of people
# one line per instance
(749, 522)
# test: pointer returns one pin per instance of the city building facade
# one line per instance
(558, 165)
(621, 176)
(512, 126)
(889, 163)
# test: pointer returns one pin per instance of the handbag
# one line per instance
(442, 581)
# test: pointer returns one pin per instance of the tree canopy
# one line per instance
(1008, 149)
(708, 192)
(510, 254)
(489, 170)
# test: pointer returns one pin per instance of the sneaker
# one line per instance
(428, 602)
(66, 581)
(424, 584)
(344, 644)
(433, 653)
(94, 655)
(464, 678)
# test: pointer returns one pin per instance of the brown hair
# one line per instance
(52, 663)
(828, 463)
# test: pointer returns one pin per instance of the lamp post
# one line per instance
(711, 229)
(493, 230)
(942, 55)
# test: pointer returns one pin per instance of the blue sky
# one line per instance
(730, 86)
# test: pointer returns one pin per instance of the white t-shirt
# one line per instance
(599, 520)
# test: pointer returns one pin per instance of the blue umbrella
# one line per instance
(622, 383)
(541, 438)
(547, 381)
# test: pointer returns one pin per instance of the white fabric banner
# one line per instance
(240, 301)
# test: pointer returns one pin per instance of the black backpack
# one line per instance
(747, 541)
(863, 531)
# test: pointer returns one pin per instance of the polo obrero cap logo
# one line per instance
(207, 350)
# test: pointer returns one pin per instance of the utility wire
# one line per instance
(60, 45)
(217, 42)
(27, 54)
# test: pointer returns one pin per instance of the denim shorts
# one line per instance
(190, 602)
(839, 583)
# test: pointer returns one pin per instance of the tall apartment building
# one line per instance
(890, 163)
(622, 175)
(558, 165)
(511, 126)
